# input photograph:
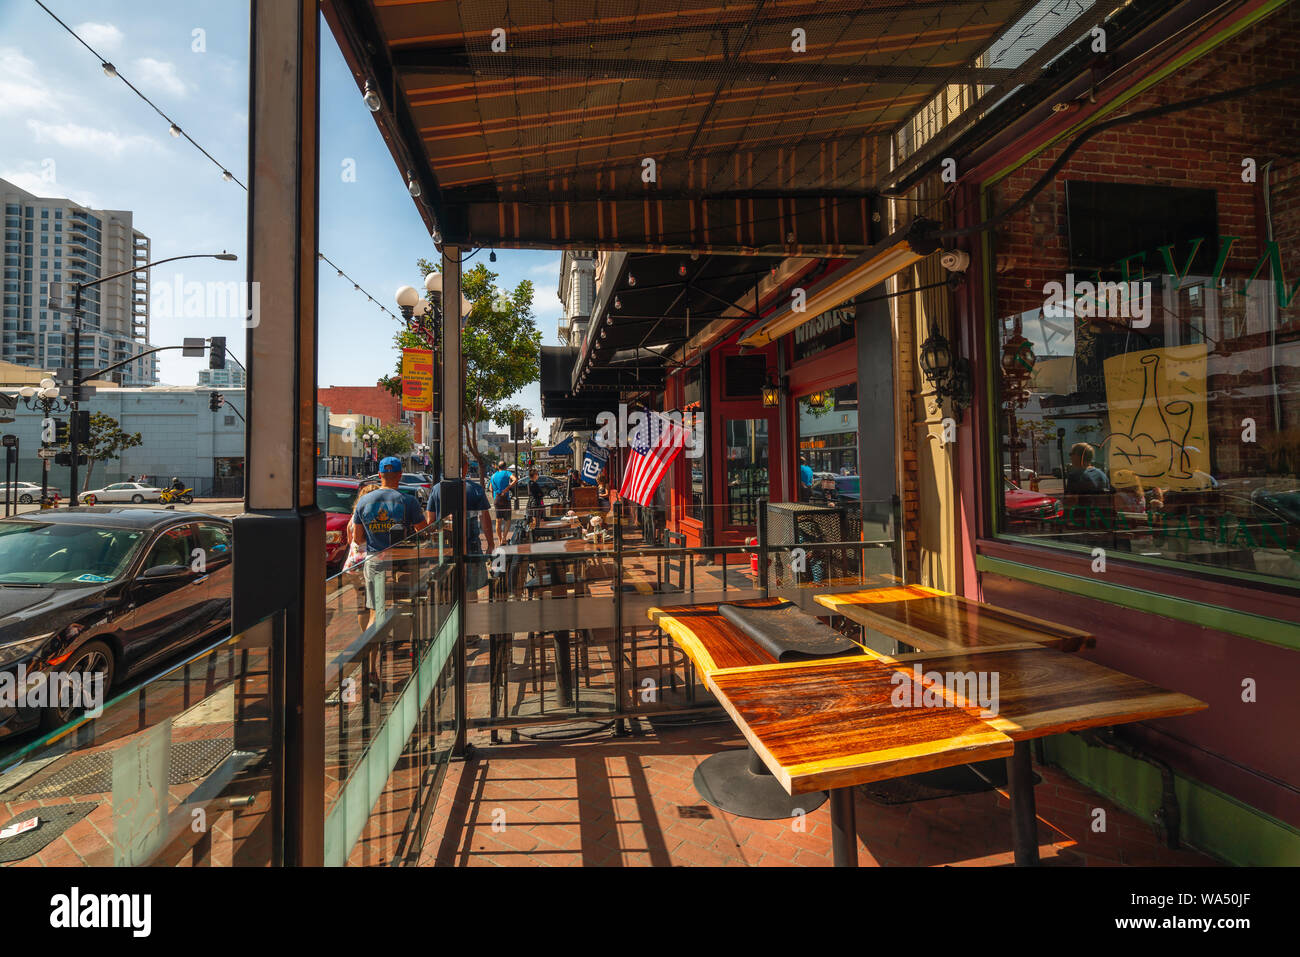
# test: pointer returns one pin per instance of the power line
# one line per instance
(177, 131)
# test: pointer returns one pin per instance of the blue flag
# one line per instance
(594, 460)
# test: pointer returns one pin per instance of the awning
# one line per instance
(563, 448)
(767, 126)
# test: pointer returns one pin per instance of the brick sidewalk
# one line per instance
(623, 802)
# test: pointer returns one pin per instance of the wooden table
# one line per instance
(840, 722)
(549, 556)
(932, 620)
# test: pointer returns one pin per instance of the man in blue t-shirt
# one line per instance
(805, 479)
(381, 519)
(501, 484)
(476, 512)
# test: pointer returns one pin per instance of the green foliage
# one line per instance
(393, 440)
(107, 441)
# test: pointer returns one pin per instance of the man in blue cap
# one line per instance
(383, 518)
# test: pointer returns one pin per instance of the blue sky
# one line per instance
(104, 147)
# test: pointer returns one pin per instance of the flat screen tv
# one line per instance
(1109, 222)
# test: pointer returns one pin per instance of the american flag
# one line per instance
(652, 449)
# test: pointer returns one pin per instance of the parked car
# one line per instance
(336, 496)
(551, 487)
(24, 492)
(136, 492)
(106, 590)
(410, 482)
(1024, 506)
(830, 489)
(1026, 474)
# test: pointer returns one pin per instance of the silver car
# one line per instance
(136, 492)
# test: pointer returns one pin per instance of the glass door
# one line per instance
(745, 469)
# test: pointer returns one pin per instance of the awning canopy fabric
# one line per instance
(564, 447)
(743, 127)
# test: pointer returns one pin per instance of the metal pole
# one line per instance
(1024, 819)
(844, 828)
(762, 546)
(453, 492)
(76, 387)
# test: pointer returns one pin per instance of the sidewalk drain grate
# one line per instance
(54, 821)
(93, 773)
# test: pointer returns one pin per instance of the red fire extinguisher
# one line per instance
(753, 557)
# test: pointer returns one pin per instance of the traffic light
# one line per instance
(217, 353)
(60, 431)
(215, 401)
(81, 426)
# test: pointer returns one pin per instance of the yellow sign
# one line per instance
(1159, 428)
(417, 380)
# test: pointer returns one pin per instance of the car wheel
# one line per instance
(95, 658)
(137, 499)
(89, 499)
(25, 498)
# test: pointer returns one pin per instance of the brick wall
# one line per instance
(365, 400)
(1201, 148)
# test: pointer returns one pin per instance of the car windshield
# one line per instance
(331, 498)
(414, 479)
(55, 553)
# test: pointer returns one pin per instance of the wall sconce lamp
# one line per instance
(946, 371)
(771, 393)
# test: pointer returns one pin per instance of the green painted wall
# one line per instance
(1212, 821)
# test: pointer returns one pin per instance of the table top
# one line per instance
(710, 640)
(561, 548)
(828, 724)
(933, 620)
(845, 721)
(1041, 691)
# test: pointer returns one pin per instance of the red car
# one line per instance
(1024, 507)
(335, 496)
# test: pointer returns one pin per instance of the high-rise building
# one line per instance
(231, 377)
(51, 239)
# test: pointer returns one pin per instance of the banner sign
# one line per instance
(594, 460)
(417, 380)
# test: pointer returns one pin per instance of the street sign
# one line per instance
(66, 374)
(196, 348)
(47, 453)
(55, 291)
(9, 439)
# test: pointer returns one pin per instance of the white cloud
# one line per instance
(74, 136)
(104, 37)
(157, 76)
(21, 87)
(35, 180)
(551, 268)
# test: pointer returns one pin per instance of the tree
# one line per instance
(393, 440)
(107, 441)
(500, 348)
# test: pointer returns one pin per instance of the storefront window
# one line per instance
(1159, 422)
(746, 469)
(828, 446)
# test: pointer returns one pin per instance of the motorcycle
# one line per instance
(169, 495)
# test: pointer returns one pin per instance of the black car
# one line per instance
(104, 590)
(551, 487)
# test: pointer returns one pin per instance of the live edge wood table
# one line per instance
(839, 722)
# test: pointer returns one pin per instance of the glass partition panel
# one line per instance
(177, 771)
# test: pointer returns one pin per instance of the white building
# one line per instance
(51, 239)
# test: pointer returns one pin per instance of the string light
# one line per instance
(177, 132)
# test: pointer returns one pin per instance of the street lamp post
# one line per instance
(370, 441)
(414, 310)
(48, 399)
(77, 291)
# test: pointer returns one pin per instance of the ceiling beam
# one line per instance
(707, 72)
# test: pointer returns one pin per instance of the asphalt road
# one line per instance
(225, 508)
